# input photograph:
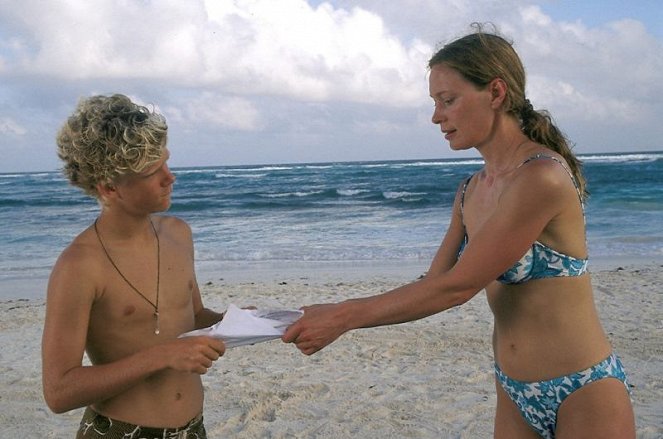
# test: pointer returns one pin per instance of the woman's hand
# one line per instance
(318, 327)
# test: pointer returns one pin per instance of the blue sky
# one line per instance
(283, 81)
(598, 13)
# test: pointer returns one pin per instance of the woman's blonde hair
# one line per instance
(480, 57)
(109, 136)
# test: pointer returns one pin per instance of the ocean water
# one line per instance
(324, 213)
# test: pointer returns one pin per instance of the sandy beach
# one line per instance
(427, 379)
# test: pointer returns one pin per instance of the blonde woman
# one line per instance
(517, 231)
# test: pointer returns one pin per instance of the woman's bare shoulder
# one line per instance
(545, 176)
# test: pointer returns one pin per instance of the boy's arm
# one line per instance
(204, 317)
(67, 384)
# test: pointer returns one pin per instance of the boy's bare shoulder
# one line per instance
(83, 250)
(172, 227)
(78, 266)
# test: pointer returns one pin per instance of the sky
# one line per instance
(293, 81)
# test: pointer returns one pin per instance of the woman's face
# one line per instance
(464, 113)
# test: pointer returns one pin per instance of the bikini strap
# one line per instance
(462, 195)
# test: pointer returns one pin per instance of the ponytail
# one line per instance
(539, 127)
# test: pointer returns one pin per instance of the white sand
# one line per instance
(427, 379)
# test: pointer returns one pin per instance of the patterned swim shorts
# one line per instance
(96, 426)
(539, 402)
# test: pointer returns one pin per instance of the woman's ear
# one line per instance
(498, 89)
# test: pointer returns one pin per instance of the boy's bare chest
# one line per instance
(125, 313)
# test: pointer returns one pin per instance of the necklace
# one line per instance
(155, 306)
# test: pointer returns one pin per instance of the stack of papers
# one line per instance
(241, 327)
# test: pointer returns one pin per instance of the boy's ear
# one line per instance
(105, 189)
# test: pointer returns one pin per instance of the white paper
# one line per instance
(241, 327)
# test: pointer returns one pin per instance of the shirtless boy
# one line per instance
(125, 288)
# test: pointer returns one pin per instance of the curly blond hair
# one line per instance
(107, 137)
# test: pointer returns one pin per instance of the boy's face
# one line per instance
(148, 191)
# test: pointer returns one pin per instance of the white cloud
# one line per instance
(290, 48)
(567, 100)
(377, 126)
(593, 79)
(618, 59)
(332, 80)
(10, 127)
(234, 113)
(285, 48)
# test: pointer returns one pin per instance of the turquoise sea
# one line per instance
(360, 213)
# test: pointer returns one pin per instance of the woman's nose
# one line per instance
(437, 115)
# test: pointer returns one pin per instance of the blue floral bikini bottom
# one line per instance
(539, 402)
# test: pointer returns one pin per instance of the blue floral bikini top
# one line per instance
(540, 261)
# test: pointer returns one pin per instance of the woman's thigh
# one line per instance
(599, 409)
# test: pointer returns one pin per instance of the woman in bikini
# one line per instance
(517, 231)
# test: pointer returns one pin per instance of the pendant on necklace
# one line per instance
(154, 305)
